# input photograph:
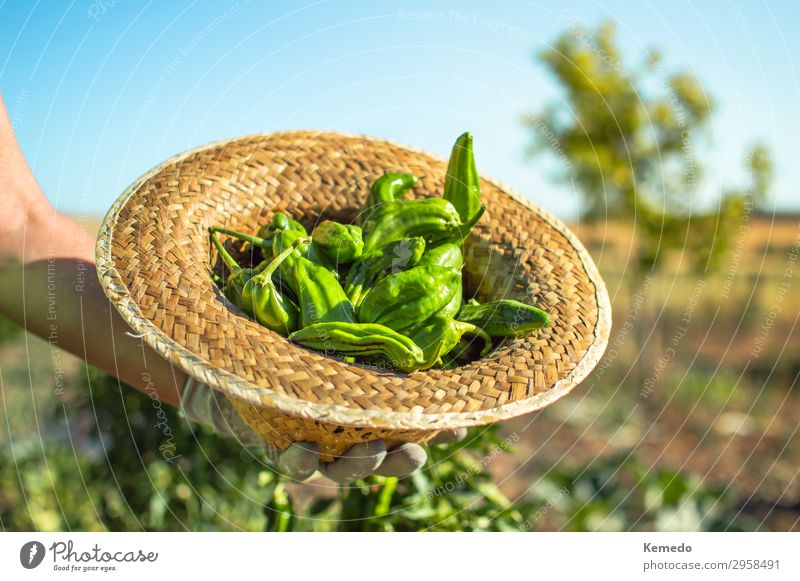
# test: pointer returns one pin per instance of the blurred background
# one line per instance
(664, 135)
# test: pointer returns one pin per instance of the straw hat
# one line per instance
(153, 254)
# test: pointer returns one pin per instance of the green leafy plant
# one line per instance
(122, 462)
(621, 493)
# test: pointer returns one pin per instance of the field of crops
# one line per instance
(689, 422)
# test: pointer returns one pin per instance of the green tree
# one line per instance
(630, 135)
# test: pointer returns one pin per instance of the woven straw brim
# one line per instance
(153, 258)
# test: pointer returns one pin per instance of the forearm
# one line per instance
(48, 283)
(60, 300)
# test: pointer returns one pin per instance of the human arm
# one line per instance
(49, 285)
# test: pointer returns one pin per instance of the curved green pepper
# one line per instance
(262, 299)
(234, 284)
(369, 269)
(319, 295)
(462, 187)
(504, 318)
(341, 242)
(387, 188)
(435, 219)
(449, 255)
(361, 340)
(410, 297)
(440, 334)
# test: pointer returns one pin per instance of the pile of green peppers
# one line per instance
(386, 291)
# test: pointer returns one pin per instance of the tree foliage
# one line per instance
(630, 136)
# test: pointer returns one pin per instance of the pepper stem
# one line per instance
(470, 329)
(254, 240)
(232, 265)
(278, 260)
(466, 229)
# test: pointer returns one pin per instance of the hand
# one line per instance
(31, 229)
(300, 460)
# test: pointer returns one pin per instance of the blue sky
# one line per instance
(99, 91)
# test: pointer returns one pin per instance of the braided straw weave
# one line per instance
(153, 255)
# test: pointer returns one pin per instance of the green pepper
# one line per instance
(254, 291)
(319, 295)
(443, 255)
(341, 242)
(233, 284)
(369, 269)
(262, 299)
(410, 297)
(452, 308)
(387, 188)
(312, 251)
(447, 255)
(435, 219)
(440, 334)
(462, 187)
(278, 240)
(280, 221)
(362, 341)
(266, 249)
(504, 318)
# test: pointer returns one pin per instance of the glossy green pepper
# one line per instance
(280, 221)
(410, 297)
(312, 252)
(362, 341)
(447, 255)
(452, 308)
(440, 334)
(369, 269)
(435, 219)
(443, 255)
(504, 318)
(235, 282)
(319, 295)
(266, 303)
(462, 187)
(387, 188)
(278, 240)
(341, 242)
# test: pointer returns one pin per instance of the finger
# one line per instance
(226, 421)
(448, 437)
(403, 460)
(300, 460)
(359, 461)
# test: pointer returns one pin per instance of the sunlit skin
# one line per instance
(41, 249)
